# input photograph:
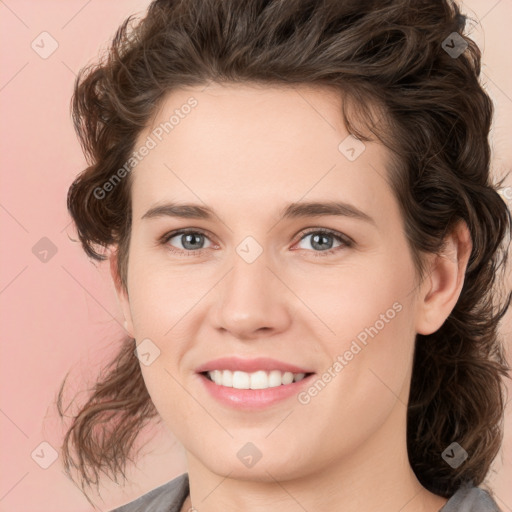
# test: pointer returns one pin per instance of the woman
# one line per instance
(228, 142)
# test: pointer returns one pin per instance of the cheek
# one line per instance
(368, 374)
(370, 312)
(363, 300)
(161, 297)
(172, 402)
(374, 347)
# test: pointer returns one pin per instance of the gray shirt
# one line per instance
(170, 497)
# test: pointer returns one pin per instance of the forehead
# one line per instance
(248, 144)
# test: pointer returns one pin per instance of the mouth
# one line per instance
(260, 379)
(252, 392)
(252, 384)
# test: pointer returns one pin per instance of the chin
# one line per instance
(244, 461)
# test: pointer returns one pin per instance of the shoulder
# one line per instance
(169, 497)
(470, 499)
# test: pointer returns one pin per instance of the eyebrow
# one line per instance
(290, 211)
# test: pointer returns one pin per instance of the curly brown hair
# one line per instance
(387, 53)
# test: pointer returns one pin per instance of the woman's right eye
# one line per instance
(188, 239)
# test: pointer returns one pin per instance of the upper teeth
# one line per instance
(256, 380)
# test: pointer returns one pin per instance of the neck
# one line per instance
(376, 476)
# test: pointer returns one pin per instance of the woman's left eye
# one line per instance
(190, 241)
(320, 238)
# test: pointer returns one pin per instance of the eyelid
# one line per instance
(333, 232)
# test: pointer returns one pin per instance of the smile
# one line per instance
(274, 388)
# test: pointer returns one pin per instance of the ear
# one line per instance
(442, 286)
(122, 295)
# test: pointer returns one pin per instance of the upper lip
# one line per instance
(250, 365)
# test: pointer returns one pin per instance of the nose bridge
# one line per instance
(250, 295)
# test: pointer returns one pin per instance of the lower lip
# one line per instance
(253, 398)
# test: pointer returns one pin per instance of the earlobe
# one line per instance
(122, 296)
(443, 284)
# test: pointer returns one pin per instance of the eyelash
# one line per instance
(345, 241)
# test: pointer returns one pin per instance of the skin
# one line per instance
(246, 151)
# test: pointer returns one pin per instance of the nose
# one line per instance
(252, 299)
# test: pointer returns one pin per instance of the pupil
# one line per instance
(320, 236)
(188, 237)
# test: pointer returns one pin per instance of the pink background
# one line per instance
(62, 314)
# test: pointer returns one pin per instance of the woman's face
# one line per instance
(251, 282)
